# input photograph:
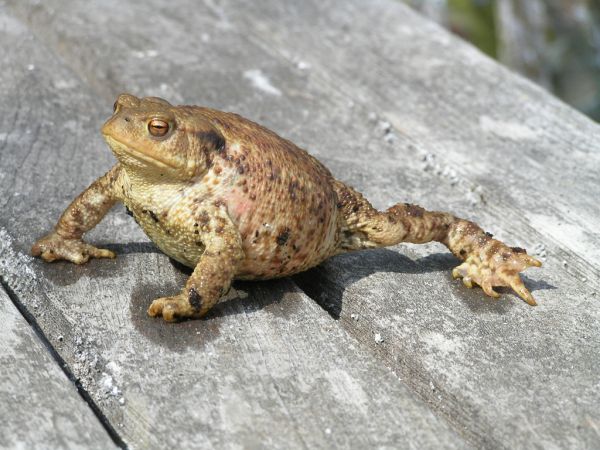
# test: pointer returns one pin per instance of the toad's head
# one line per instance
(154, 138)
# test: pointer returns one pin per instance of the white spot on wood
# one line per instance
(348, 390)
(539, 250)
(65, 84)
(143, 54)
(441, 344)
(260, 81)
(113, 368)
(509, 130)
(303, 65)
(108, 385)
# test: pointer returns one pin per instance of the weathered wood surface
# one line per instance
(270, 371)
(39, 407)
(394, 106)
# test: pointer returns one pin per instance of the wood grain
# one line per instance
(39, 405)
(269, 368)
(396, 107)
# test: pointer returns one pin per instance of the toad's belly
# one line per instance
(274, 245)
(179, 244)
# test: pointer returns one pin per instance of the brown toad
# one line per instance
(232, 199)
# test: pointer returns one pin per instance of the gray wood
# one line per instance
(39, 406)
(481, 127)
(495, 148)
(269, 368)
(405, 112)
(533, 167)
(507, 373)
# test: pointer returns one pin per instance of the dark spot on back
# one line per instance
(212, 140)
(283, 236)
(414, 210)
(292, 187)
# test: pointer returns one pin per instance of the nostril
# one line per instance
(127, 119)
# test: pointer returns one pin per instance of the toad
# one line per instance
(233, 200)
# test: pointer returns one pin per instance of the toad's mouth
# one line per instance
(145, 156)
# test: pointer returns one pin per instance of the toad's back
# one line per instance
(281, 198)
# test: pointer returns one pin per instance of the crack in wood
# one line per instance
(86, 397)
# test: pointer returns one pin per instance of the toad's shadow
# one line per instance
(326, 283)
(243, 298)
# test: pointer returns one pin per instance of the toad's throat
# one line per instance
(145, 156)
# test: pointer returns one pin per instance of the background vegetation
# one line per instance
(556, 43)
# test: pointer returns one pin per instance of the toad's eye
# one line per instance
(158, 127)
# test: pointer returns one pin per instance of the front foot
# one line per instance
(173, 308)
(54, 247)
(501, 269)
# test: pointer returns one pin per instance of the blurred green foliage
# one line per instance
(556, 43)
(475, 21)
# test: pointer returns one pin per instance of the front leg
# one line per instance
(212, 276)
(81, 215)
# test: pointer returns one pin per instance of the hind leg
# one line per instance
(487, 261)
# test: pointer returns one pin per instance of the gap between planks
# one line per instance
(114, 435)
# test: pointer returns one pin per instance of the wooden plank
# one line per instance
(522, 151)
(481, 130)
(39, 406)
(269, 368)
(505, 374)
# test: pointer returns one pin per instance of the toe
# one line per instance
(169, 312)
(155, 308)
(103, 253)
(517, 285)
(36, 249)
(489, 290)
(468, 282)
(532, 262)
(78, 258)
(48, 255)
